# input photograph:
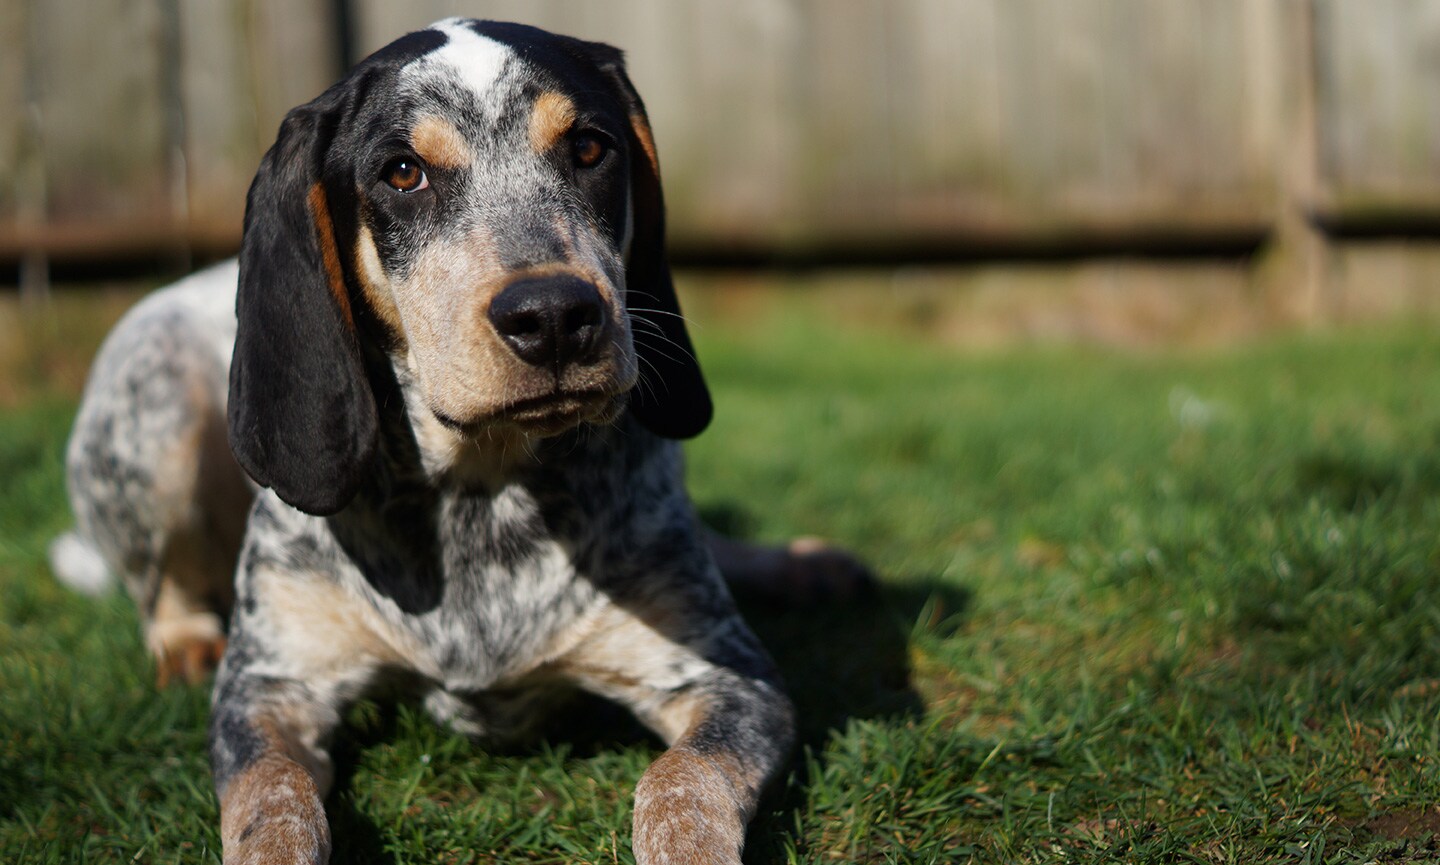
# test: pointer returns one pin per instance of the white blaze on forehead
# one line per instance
(469, 59)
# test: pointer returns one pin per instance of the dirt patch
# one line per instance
(1406, 824)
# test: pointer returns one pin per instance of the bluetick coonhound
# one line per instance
(458, 371)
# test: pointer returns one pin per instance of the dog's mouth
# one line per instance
(546, 415)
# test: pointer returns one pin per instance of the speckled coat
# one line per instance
(458, 372)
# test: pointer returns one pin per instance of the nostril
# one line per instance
(519, 323)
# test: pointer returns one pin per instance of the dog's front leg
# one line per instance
(710, 692)
(271, 769)
(692, 805)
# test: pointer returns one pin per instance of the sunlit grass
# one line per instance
(1136, 608)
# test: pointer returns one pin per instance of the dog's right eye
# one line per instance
(405, 175)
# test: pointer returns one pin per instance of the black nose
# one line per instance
(549, 321)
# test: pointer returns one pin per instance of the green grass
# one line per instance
(1136, 608)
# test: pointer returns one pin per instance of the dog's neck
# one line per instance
(443, 454)
(447, 455)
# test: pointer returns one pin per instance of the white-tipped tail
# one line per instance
(78, 564)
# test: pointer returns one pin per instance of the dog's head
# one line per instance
(483, 199)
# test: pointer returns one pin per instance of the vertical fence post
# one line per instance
(343, 12)
(1303, 248)
(177, 172)
(30, 193)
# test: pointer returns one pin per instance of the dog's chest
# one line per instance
(485, 586)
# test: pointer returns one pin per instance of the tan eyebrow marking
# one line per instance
(439, 143)
(551, 118)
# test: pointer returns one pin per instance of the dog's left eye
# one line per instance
(587, 149)
(405, 175)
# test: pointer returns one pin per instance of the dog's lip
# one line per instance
(551, 412)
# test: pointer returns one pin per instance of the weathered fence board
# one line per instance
(1024, 116)
(14, 123)
(784, 125)
(98, 67)
(1378, 89)
(233, 100)
(294, 55)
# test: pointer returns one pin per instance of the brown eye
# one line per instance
(587, 149)
(405, 175)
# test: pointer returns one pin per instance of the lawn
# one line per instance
(1163, 607)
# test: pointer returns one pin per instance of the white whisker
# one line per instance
(644, 384)
(667, 340)
(687, 322)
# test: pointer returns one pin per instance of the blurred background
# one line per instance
(1122, 171)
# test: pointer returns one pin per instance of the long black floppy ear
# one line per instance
(672, 399)
(302, 415)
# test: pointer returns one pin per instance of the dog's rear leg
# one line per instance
(268, 741)
(805, 571)
(184, 633)
(195, 587)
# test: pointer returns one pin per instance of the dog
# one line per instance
(452, 366)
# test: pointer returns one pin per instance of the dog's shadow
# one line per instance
(847, 657)
(844, 659)
(848, 660)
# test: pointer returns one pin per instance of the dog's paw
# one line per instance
(186, 649)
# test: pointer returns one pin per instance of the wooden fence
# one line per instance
(804, 128)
